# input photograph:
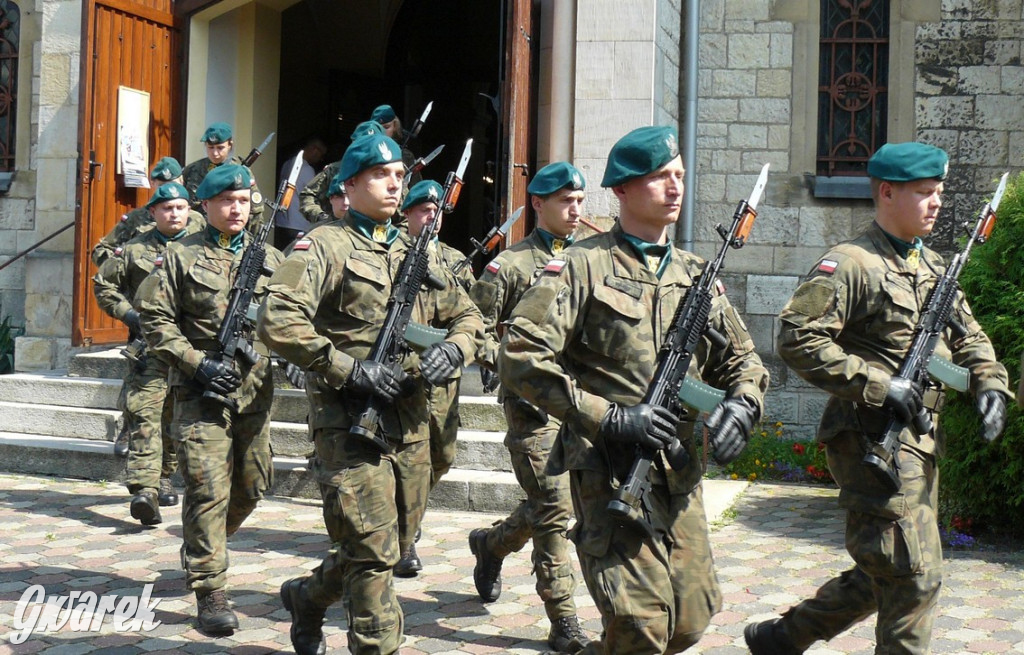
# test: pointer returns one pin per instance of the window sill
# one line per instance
(858, 188)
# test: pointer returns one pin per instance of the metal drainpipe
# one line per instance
(690, 34)
(563, 87)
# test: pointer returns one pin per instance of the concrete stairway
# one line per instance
(65, 422)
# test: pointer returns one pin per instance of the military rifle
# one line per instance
(239, 318)
(920, 361)
(255, 153)
(670, 386)
(489, 243)
(391, 345)
(414, 131)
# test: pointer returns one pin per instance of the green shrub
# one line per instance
(7, 334)
(769, 455)
(980, 483)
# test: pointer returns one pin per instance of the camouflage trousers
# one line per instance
(359, 487)
(148, 409)
(654, 596)
(227, 465)
(543, 516)
(895, 545)
(443, 404)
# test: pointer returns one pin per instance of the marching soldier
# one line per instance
(219, 145)
(556, 194)
(151, 458)
(314, 198)
(223, 450)
(846, 330)
(324, 313)
(582, 344)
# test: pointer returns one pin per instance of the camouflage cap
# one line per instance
(216, 133)
(366, 152)
(642, 151)
(166, 169)
(337, 186)
(421, 192)
(169, 191)
(903, 162)
(383, 114)
(367, 128)
(228, 177)
(556, 176)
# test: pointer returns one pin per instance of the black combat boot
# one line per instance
(410, 564)
(487, 572)
(567, 636)
(307, 630)
(121, 443)
(215, 615)
(168, 495)
(145, 507)
(769, 638)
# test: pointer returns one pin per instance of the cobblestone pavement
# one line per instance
(775, 546)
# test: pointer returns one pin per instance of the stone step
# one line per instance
(90, 459)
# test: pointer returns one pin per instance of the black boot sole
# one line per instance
(145, 513)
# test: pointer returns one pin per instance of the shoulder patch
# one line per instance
(159, 261)
(827, 266)
(302, 244)
(554, 266)
(493, 266)
(720, 286)
(124, 217)
(118, 250)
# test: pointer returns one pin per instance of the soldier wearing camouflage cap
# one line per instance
(324, 311)
(846, 330)
(219, 143)
(582, 344)
(556, 195)
(223, 450)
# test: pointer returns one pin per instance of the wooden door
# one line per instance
(521, 42)
(133, 43)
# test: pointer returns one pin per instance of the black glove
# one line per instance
(992, 407)
(651, 426)
(217, 376)
(134, 323)
(903, 399)
(373, 378)
(729, 426)
(489, 379)
(439, 362)
(295, 375)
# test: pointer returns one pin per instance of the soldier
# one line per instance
(151, 459)
(324, 313)
(314, 198)
(223, 450)
(219, 144)
(388, 119)
(556, 195)
(420, 205)
(337, 197)
(846, 330)
(582, 345)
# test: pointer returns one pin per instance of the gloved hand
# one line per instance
(729, 426)
(439, 362)
(992, 407)
(134, 323)
(903, 399)
(217, 377)
(651, 426)
(295, 375)
(489, 379)
(373, 378)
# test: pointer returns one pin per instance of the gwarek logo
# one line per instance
(82, 611)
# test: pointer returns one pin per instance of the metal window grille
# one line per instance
(853, 83)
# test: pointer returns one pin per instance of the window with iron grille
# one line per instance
(853, 85)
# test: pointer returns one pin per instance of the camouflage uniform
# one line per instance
(147, 405)
(324, 310)
(313, 200)
(846, 330)
(194, 174)
(134, 222)
(586, 335)
(225, 454)
(545, 513)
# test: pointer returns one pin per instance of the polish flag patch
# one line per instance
(124, 217)
(159, 261)
(827, 266)
(302, 244)
(555, 266)
(720, 286)
(493, 267)
(118, 250)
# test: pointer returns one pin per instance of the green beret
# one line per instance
(421, 192)
(367, 128)
(367, 152)
(169, 191)
(227, 177)
(337, 187)
(166, 169)
(642, 151)
(216, 133)
(383, 114)
(903, 162)
(556, 176)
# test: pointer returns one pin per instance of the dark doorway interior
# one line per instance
(340, 59)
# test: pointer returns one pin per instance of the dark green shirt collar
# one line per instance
(373, 230)
(902, 247)
(645, 248)
(162, 238)
(550, 240)
(225, 241)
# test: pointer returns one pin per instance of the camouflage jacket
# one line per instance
(313, 200)
(194, 174)
(182, 306)
(135, 222)
(587, 334)
(848, 327)
(324, 311)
